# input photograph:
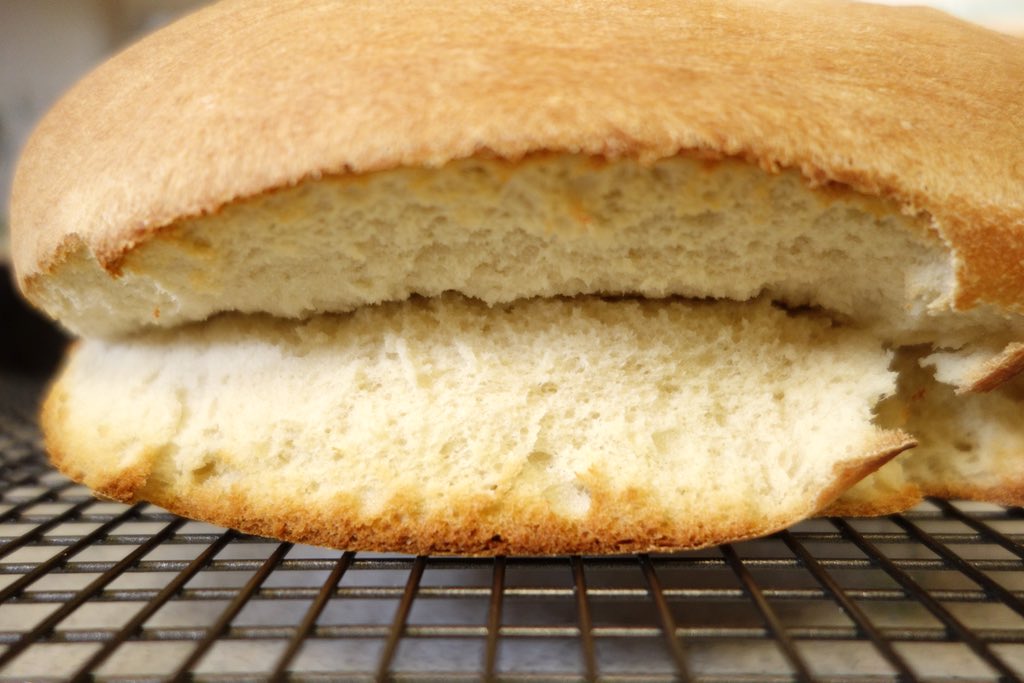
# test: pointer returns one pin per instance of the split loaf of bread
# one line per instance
(536, 277)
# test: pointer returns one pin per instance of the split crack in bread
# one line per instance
(968, 446)
(372, 175)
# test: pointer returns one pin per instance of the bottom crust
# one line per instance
(620, 522)
(886, 502)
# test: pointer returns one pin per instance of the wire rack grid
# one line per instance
(93, 590)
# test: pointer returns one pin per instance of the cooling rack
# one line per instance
(93, 590)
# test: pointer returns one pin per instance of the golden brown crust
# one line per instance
(1000, 369)
(903, 103)
(1009, 492)
(470, 528)
(619, 521)
(891, 502)
(887, 447)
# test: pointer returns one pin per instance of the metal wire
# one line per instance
(848, 606)
(401, 616)
(132, 627)
(668, 625)
(97, 591)
(915, 589)
(309, 621)
(494, 618)
(783, 639)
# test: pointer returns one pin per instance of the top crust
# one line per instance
(907, 104)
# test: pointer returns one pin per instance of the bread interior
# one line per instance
(552, 425)
(550, 225)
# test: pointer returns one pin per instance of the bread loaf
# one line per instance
(271, 217)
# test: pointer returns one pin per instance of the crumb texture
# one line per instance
(444, 424)
(551, 226)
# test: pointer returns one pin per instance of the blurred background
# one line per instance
(46, 45)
